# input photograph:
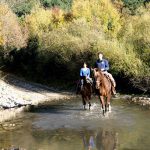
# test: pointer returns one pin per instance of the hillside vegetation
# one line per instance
(49, 40)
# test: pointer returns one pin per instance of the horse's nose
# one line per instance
(97, 84)
(97, 87)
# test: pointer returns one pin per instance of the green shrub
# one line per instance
(23, 8)
(133, 5)
(142, 37)
(135, 34)
(64, 4)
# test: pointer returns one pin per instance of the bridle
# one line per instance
(98, 81)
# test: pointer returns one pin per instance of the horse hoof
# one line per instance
(109, 108)
(89, 106)
(103, 112)
(84, 108)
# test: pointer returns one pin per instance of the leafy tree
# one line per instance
(11, 35)
(20, 7)
(23, 8)
(64, 4)
(146, 2)
(132, 5)
(98, 13)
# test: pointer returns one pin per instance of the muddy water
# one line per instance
(65, 126)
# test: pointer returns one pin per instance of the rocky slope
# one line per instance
(15, 93)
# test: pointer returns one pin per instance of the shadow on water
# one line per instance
(53, 109)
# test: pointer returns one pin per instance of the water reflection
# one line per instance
(64, 139)
(88, 140)
(100, 140)
(106, 140)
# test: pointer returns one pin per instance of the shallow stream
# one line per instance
(64, 125)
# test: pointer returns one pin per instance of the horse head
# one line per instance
(98, 76)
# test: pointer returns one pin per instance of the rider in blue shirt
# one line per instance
(103, 65)
(84, 74)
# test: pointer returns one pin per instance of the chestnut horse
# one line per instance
(86, 92)
(104, 87)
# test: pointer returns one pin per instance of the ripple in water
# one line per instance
(73, 116)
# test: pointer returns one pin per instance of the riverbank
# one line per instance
(17, 95)
(141, 100)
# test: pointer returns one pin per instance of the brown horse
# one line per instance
(104, 87)
(86, 92)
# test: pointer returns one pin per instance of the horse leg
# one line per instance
(84, 103)
(108, 102)
(102, 102)
(88, 98)
(89, 103)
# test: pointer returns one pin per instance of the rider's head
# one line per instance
(100, 55)
(84, 65)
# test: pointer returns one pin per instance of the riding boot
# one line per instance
(81, 86)
(113, 90)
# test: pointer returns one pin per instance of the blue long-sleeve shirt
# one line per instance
(85, 72)
(102, 64)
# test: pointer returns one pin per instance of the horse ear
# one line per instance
(92, 69)
(96, 69)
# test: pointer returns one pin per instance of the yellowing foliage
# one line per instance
(38, 19)
(101, 10)
(42, 19)
(1, 37)
(142, 27)
(10, 31)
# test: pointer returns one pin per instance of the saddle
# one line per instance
(112, 86)
(107, 76)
